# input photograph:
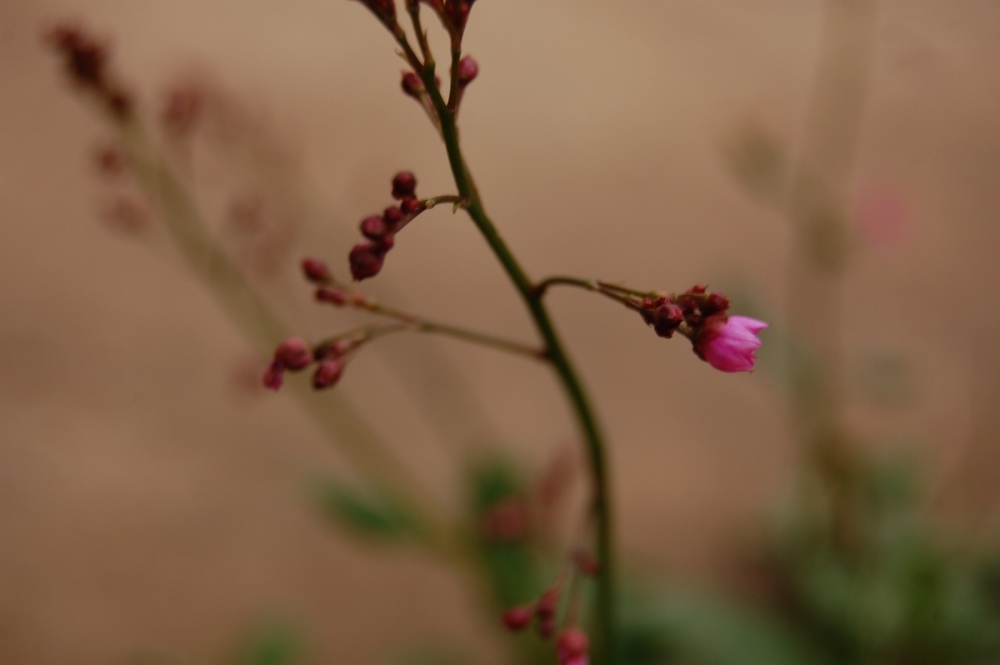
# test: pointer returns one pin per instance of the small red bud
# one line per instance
(294, 354)
(546, 607)
(386, 242)
(392, 216)
(404, 185)
(327, 373)
(517, 618)
(546, 627)
(373, 227)
(366, 260)
(274, 376)
(110, 160)
(571, 645)
(698, 289)
(332, 296)
(468, 70)
(667, 317)
(411, 205)
(315, 271)
(714, 303)
(412, 85)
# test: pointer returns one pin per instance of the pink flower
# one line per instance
(729, 344)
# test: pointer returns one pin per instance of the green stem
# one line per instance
(562, 365)
(332, 413)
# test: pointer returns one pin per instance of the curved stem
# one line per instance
(619, 294)
(562, 365)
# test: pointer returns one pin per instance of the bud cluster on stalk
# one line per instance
(366, 258)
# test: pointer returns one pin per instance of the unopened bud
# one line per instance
(274, 376)
(315, 271)
(332, 296)
(411, 205)
(517, 618)
(714, 304)
(110, 160)
(667, 317)
(386, 242)
(546, 627)
(366, 260)
(294, 354)
(546, 607)
(392, 216)
(404, 185)
(412, 85)
(468, 69)
(373, 227)
(571, 646)
(327, 374)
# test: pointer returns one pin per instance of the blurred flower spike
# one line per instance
(85, 59)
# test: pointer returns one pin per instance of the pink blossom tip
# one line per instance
(729, 344)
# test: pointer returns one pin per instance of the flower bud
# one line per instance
(315, 271)
(468, 69)
(392, 216)
(412, 85)
(332, 296)
(373, 227)
(572, 646)
(546, 627)
(294, 354)
(366, 260)
(714, 304)
(546, 607)
(728, 344)
(274, 376)
(404, 185)
(667, 317)
(517, 618)
(327, 373)
(411, 205)
(386, 242)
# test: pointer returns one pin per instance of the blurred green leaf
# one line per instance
(357, 511)
(270, 643)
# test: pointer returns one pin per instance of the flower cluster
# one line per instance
(85, 59)
(725, 342)
(366, 258)
(294, 355)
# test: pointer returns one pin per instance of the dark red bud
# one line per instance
(327, 374)
(572, 643)
(366, 260)
(332, 296)
(386, 242)
(373, 227)
(294, 354)
(392, 216)
(274, 376)
(315, 271)
(546, 607)
(404, 185)
(110, 160)
(411, 205)
(667, 317)
(468, 69)
(517, 618)
(412, 85)
(697, 289)
(546, 627)
(714, 303)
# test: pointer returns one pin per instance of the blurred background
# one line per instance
(152, 496)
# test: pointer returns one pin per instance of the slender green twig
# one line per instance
(419, 324)
(332, 413)
(605, 625)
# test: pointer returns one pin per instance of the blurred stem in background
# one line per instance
(818, 209)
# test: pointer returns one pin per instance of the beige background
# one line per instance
(145, 501)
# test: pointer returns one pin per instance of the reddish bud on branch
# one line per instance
(518, 618)
(315, 271)
(404, 185)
